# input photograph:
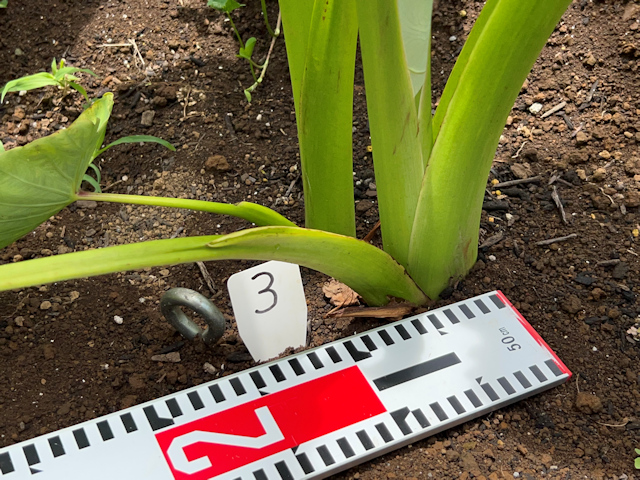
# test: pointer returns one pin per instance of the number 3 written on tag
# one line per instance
(267, 289)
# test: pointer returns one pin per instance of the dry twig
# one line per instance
(520, 181)
(207, 277)
(556, 240)
(558, 202)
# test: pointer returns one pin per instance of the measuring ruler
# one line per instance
(315, 413)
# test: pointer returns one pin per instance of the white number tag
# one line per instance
(270, 308)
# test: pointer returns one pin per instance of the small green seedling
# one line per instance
(637, 462)
(3, 3)
(60, 76)
(246, 48)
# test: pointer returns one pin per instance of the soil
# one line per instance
(64, 357)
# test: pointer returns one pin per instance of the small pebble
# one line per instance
(118, 319)
(207, 367)
(535, 108)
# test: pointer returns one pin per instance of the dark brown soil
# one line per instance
(65, 359)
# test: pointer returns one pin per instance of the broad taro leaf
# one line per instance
(41, 178)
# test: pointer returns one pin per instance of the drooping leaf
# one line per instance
(325, 118)
(366, 269)
(247, 51)
(226, 6)
(96, 170)
(30, 82)
(93, 182)
(79, 88)
(137, 139)
(42, 177)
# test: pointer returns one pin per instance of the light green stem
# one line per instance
(485, 81)
(252, 212)
(325, 118)
(397, 153)
(266, 18)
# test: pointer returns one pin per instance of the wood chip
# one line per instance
(397, 310)
(492, 240)
(553, 110)
(173, 357)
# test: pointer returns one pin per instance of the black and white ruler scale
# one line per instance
(314, 413)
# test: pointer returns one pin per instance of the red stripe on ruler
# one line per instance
(563, 368)
(293, 416)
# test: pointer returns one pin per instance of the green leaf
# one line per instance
(42, 177)
(637, 451)
(637, 463)
(247, 94)
(138, 139)
(54, 66)
(296, 23)
(485, 82)
(325, 118)
(1, 147)
(415, 23)
(80, 89)
(96, 170)
(93, 182)
(366, 269)
(247, 51)
(397, 151)
(226, 6)
(3, 3)
(29, 82)
(69, 71)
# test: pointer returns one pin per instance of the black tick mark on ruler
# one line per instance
(416, 371)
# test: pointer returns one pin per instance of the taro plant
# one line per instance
(61, 76)
(431, 170)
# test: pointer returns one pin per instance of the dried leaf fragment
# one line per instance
(339, 294)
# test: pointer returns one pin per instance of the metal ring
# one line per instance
(184, 297)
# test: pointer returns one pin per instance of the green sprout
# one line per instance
(246, 48)
(637, 462)
(431, 170)
(60, 76)
(4, 3)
